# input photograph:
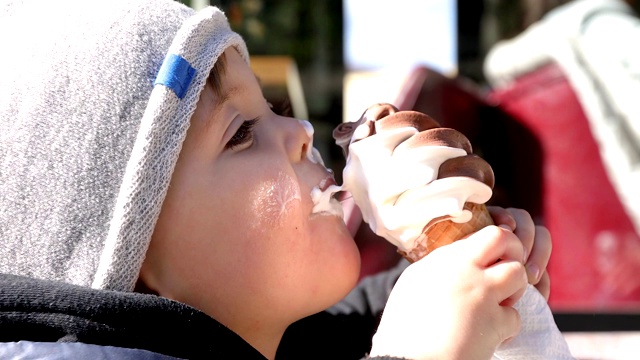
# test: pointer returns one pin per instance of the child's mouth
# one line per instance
(326, 183)
(324, 200)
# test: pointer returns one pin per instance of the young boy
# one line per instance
(138, 153)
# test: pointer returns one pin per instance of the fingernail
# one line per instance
(534, 271)
(526, 256)
(505, 227)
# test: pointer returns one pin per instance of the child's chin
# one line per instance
(327, 222)
(342, 251)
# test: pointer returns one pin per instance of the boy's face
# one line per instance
(236, 237)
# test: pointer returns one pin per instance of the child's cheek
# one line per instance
(276, 201)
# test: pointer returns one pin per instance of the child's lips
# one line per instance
(326, 183)
(323, 197)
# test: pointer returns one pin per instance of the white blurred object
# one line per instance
(384, 41)
(595, 42)
(362, 89)
(604, 345)
(379, 34)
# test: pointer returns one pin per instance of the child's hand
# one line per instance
(456, 303)
(536, 241)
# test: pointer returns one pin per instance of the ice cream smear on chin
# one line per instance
(405, 172)
(322, 195)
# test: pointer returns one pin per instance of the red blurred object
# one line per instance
(596, 250)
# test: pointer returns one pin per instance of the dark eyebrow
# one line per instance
(224, 97)
(220, 95)
(216, 74)
(214, 80)
(219, 102)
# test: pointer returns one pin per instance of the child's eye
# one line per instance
(243, 135)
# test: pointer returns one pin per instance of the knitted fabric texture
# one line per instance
(87, 142)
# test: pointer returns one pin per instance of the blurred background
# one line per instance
(546, 90)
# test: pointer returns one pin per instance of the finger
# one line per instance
(507, 281)
(493, 243)
(502, 217)
(525, 229)
(544, 285)
(539, 256)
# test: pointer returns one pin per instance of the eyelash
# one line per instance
(243, 135)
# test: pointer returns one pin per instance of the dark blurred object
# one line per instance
(309, 32)
(483, 23)
(515, 16)
(281, 85)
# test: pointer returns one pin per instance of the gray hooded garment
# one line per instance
(95, 102)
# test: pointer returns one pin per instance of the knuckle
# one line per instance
(494, 231)
(492, 234)
(519, 272)
(514, 271)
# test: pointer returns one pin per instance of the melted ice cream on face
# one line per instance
(312, 153)
(325, 203)
(406, 172)
(321, 195)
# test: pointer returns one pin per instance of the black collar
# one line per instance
(40, 310)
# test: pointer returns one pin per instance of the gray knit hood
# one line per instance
(95, 102)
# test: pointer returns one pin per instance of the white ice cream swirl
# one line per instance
(404, 172)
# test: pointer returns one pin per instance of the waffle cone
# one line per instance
(445, 232)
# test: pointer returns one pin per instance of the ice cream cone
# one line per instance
(445, 232)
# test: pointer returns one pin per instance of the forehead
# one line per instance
(230, 78)
(229, 72)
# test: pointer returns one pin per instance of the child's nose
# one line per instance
(298, 138)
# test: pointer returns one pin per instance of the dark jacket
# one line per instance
(58, 319)
(46, 311)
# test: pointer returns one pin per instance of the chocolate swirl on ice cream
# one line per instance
(409, 176)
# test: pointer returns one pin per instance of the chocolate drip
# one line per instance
(438, 137)
(471, 166)
(414, 119)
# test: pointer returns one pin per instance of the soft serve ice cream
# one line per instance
(407, 174)
(413, 180)
(417, 184)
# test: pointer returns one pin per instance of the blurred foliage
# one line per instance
(310, 31)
